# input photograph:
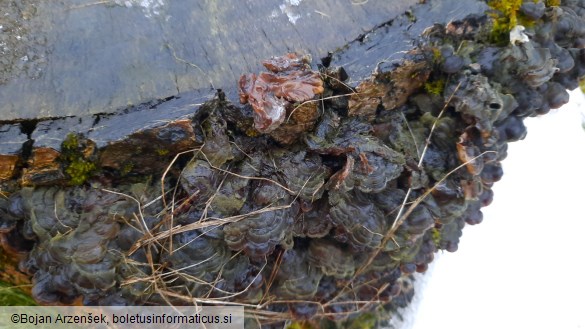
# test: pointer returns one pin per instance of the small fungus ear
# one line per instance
(245, 85)
(288, 62)
(272, 93)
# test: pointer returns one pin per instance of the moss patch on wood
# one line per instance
(76, 153)
(505, 17)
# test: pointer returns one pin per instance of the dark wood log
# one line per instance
(11, 147)
(170, 59)
(87, 57)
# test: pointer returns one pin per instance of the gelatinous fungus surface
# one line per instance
(270, 93)
(307, 209)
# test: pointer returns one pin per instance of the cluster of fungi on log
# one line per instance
(315, 200)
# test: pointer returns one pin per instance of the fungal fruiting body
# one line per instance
(289, 81)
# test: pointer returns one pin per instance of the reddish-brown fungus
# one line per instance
(270, 93)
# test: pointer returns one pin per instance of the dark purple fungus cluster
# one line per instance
(308, 207)
(73, 229)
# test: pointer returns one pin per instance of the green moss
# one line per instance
(437, 56)
(435, 87)
(252, 132)
(162, 152)
(505, 18)
(77, 165)
(12, 296)
(127, 169)
(411, 16)
(582, 85)
(301, 325)
(436, 83)
(364, 321)
(552, 3)
(436, 236)
(79, 171)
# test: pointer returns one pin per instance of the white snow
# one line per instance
(524, 265)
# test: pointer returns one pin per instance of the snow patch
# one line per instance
(288, 8)
(149, 7)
